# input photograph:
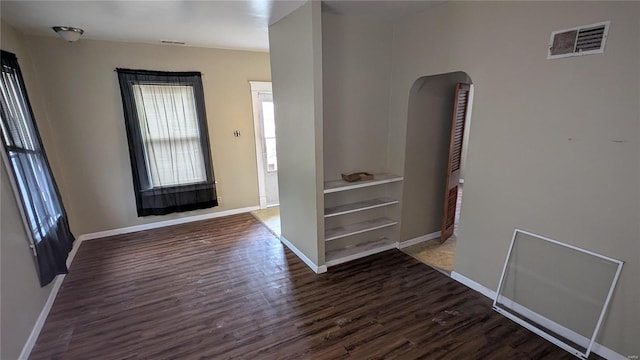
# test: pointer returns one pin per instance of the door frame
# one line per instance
(258, 87)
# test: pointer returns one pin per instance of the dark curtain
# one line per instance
(168, 140)
(43, 210)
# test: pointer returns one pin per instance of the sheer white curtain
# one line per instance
(170, 132)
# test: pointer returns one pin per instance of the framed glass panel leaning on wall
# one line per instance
(558, 291)
(30, 175)
(168, 139)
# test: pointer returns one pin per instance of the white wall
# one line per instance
(22, 297)
(296, 68)
(84, 103)
(553, 145)
(356, 61)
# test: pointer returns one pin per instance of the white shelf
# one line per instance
(358, 251)
(341, 185)
(358, 206)
(357, 228)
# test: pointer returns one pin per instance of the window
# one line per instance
(168, 141)
(270, 135)
(35, 187)
(156, 108)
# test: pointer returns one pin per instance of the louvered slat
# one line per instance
(461, 102)
(456, 156)
(452, 201)
(590, 39)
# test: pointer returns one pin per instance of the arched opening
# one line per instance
(437, 124)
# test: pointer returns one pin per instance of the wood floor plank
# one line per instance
(227, 289)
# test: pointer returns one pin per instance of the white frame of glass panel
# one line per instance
(539, 331)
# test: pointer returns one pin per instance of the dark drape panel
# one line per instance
(168, 140)
(38, 192)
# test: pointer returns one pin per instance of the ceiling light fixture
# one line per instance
(71, 34)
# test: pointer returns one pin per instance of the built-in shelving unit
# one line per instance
(360, 217)
(357, 228)
(358, 206)
(360, 250)
(332, 186)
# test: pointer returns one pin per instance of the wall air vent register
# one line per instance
(578, 41)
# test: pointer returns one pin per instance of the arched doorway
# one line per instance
(431, 134)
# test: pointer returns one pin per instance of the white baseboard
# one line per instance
(419, 239)
(551, 325)
(160, 224)
(37, 327)
(317, 269)
(473, 285)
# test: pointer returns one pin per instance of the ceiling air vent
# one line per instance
(171, 42)
(582, 40)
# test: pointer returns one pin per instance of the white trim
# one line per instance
(261, 86)
(560, 330)
(160, 224)
(42, 318)
(418, 240)
(37, 327)
(317, 269)
(258, 87)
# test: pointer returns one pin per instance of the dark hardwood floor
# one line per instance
(227, 289)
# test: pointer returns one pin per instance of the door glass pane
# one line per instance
(269, 125)
(269, 119)
(272, 158)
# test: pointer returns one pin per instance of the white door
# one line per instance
(265, 128)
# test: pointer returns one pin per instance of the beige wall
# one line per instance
(554, 144)
(356, 62)
(429, 119)
(296, 66)
(22, 297)
(83, 99)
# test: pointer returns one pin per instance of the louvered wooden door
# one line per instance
(455, 157)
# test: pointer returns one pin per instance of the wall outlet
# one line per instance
(219, 200)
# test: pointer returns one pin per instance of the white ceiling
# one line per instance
(381, 9)
(239, 24)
